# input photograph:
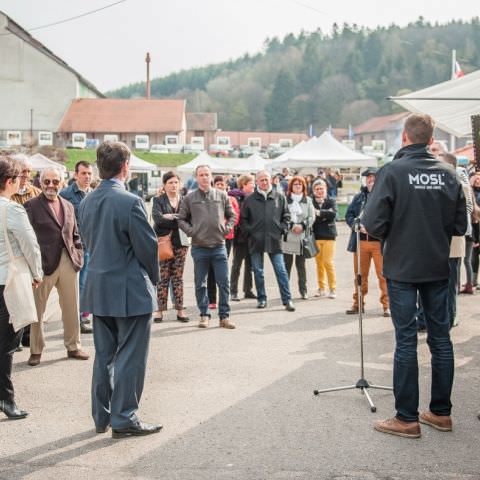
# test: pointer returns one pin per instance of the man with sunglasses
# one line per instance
(26, 191)
(53, 220)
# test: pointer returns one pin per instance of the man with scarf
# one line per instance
(416, 207)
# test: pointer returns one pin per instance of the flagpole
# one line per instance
(454, 62)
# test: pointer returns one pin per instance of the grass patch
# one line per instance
(161, 159)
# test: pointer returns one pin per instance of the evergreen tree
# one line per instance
(278, 109)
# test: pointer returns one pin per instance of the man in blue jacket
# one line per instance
(119, 292)
(416, 207)
(75, 193)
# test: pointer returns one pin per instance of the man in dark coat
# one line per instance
(265, 218)
(416, 207)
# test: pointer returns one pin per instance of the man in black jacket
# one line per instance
(265, 219)
(415, 208)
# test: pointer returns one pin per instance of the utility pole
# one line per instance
(147, 59)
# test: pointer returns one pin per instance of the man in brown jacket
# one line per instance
(53, 220)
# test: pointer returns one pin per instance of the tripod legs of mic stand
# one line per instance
(363, 385)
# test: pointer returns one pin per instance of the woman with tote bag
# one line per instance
(20, 268)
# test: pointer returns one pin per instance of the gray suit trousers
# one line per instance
(121, 350)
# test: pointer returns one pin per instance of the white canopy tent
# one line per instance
(201, 159)
(449, 103)
(324, 151)
(254, 163)
(139, 165)
(40, 162)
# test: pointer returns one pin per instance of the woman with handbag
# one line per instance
(164, 212)
(302, 216)
(18, 246)
(325, 232)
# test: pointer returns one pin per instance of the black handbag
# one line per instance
(309, 245)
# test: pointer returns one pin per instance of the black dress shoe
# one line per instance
(136, 430)
(234, 297)
(158, 319)
(250, 295)
(289, 307)
(261, 304)
(11, 410)
(183, 319)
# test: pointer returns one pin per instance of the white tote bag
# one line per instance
(18, 293)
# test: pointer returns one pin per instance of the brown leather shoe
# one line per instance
(226, 323)
(34, 359)
(442, 423)
(395, 426)
(78, 355)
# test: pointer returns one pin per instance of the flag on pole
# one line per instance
(310, 131)
(351, 133)
(458, 70)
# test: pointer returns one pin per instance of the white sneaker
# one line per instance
(332, 294)
(204, 321)
(321, 293)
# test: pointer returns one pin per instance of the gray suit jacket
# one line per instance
(123, 266)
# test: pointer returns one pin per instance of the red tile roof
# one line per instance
(380, 124)
(116, 115)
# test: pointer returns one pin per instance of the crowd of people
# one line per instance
(98, 246)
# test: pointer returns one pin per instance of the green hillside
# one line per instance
(311, 78)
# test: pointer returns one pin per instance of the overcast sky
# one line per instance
(108, 47)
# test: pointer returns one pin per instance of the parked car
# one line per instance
(159, 148)
(175, 148)
(219, 150)
(193, 148)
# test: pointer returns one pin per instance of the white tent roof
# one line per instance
(449, 103)
(201, 159)
(324, 151)
(139, 165)
(252, 164)
(41, 162)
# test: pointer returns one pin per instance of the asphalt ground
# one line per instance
(239, 404)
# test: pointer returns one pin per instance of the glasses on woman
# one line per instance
(297, 185)
(53, 182)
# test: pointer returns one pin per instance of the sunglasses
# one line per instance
(53, 182)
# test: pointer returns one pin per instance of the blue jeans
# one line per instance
(82, 278)
(217, 258)
(453, 282)
(278, 264)
(403, 301)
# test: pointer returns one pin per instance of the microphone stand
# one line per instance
(362, 383)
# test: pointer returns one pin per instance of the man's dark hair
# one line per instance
(9, 168)
(419, 128)
(82, 163)
(110, 158)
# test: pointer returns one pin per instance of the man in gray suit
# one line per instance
(120, 293)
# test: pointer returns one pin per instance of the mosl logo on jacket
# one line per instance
(427, 181)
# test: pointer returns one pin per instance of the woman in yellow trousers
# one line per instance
(325, 232)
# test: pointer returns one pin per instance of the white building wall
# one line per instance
(29, 79)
